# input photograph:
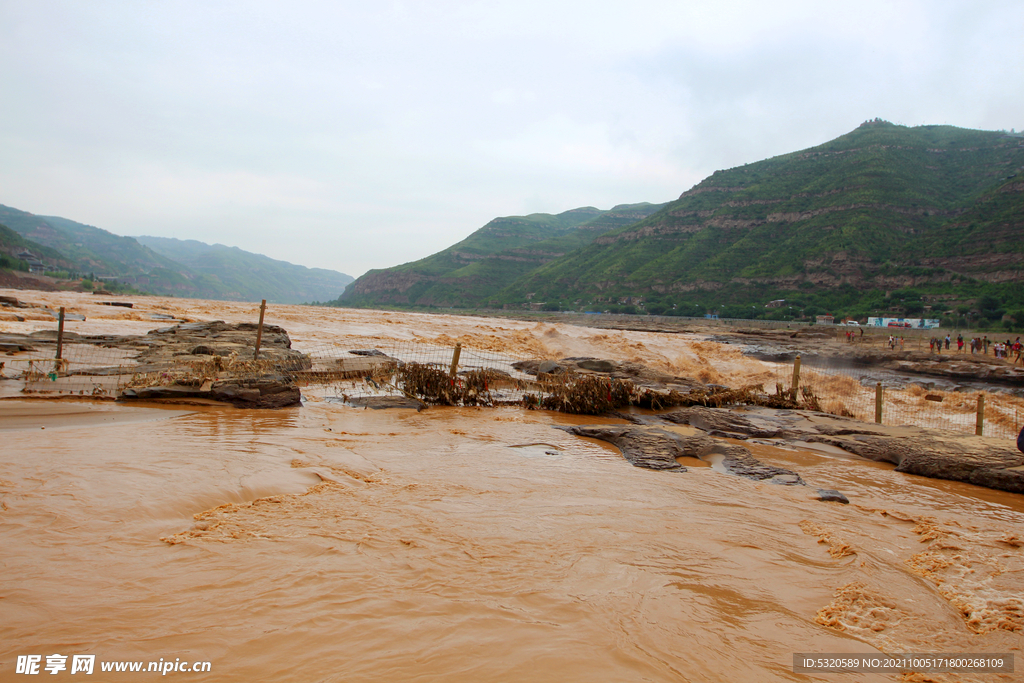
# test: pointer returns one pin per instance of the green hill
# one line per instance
(247, 276)
(471, 272)
(885, 207)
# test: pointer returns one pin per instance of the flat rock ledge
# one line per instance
(657, 449)
(939, 454)
(260, 393)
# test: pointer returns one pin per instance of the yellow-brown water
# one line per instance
(327, 543)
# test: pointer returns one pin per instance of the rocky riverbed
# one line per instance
(651, 443)
(190, 361)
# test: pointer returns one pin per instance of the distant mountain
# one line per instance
(473, 271)
(12, 243)
(176, 268)
(248, 276)
(89, 249)
(931, 209)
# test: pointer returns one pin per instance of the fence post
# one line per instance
(455, 359)
(60, 333)
(796, 376)
(878, 403)
(980, 423)
(259, 331)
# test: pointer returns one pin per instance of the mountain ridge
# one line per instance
(895, 212)
(67, 245)
(477, 267)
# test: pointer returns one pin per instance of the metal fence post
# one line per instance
(259, 331)
(796, 376)
(979, 427)
(455, 359)
(878, 403)
(60, 333)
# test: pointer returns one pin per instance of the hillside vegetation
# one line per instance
(473, 271)
(12, 243)
(930, 215)
(885, 219)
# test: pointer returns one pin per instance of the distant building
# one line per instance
(824, 320)
(914, 323)
(34, 264)
(777, 303)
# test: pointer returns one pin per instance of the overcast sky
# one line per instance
(358, 135)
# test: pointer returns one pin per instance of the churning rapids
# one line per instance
(325, 543)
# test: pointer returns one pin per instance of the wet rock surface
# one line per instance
(652, 448)
(258, 393)
(639, 374)
(972, 459)
(984, 461)
(216, 338)
(205, 360)
(657, 449)
(718, 422)
(383, 402)
(832, 496)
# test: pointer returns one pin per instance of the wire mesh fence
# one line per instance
(83, 369)
(866, 394)
(457, 374)
(372, 367)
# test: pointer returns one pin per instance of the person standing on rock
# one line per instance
(984, 343)
(947, 342)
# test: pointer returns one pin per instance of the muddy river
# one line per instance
(326, 543)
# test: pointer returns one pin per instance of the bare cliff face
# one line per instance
(384, 281)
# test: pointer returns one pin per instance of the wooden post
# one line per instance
(979, 427)
(796, 377)
(878, 403)
(60, 333)
(455, 359)
(259, 331)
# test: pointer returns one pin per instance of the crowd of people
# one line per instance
(1008, 350)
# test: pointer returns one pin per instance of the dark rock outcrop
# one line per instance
(243, 394)
(216, 338)
(382, 402)
(652, 448)
(959, 457)
(832, 496)
(657, 449)
(639, 374)
(984, 461)
(718, 422)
